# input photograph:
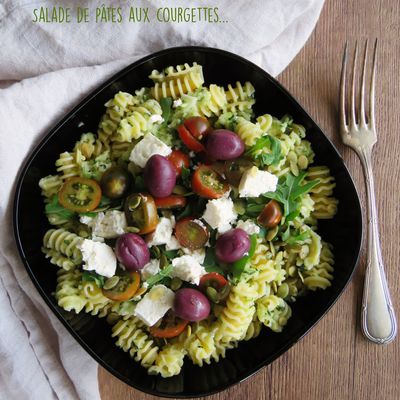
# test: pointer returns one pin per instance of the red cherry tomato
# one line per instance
(271, 215)
(206, 182)
(125, 289)
(213, 279)
(179, 159)
(189, 141)
(191, 234)
(172, 201)
(169, 327)
(199, 127)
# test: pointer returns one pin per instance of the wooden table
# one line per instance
(334, 361)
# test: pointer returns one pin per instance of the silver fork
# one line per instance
(357, 129)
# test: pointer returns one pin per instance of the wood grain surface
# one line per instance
(334, 361)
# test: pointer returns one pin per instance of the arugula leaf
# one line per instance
(164, 273)
(210, 262)
(187, 211)
(170, 254)
(271, 158)
(238, 266)
(289, 190)
(185, 175)
(55, 208)
(166, 107)
(298, 238)
(88, 276)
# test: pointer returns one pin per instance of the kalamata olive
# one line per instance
(191, 305)
(132, 251)
(232, 245)
(115, 182)
(224, 145)
(159, 176)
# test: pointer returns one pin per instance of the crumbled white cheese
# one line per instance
(150, 269)
(192, 154)
(188, 269)
(177, 103)
(108, 225)
(255, 182)
(220, 214)
(156, 118)
(248, 226)
(154, 304)
(162, 233)
(172, 244)
(199, 255)
(146, 148)
(98, 257)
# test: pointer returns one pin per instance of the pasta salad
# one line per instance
(187, 221)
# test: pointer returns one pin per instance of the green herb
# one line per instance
(164, 273)
(170, 254)
(139, 183)
(298, 238)
(185, 175)
(55, 208)
(210, 263)
(289, 190)
(88, 214)
(166, 107)
(271, 158)
(93, 277)
(187, 211)
(239, 265)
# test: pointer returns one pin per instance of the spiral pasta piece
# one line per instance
(60, 260)
(68, 164)
(248, 131)
(67, 290)
(273, 312)
(176, 82)
(169, 361)
(50, 185)
(240, 97)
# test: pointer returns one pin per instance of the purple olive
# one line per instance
(159, 176)
(232, 245)
(132, 251)
(191, 305)
(224, 145)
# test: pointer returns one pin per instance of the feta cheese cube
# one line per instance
(255, 182)
(146, 148)
(162, 233)
(188, 269)
(156, 118)
(199, 255)
(220, 214)
(98, 257)
(248, 226)
(154, 304)
(173, 244)
(150, 269)
(177, 103)
(108, 225)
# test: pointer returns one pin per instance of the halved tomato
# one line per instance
(271, 215)
(189, 141)
(126, 287)
(173, 201)
(141, 212)
(199, 127)
(179, 159)
(80, 194)
(213, 279)
(170, 326)
(191, 233)
(206, 182)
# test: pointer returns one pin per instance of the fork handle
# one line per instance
(377, 316)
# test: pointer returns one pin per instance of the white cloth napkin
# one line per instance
(52, 67)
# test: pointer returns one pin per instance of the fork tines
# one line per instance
(357, 114)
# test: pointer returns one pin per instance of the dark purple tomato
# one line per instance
(191, 305)
(159, 176)
(132, 251)
(224, 145)
(232, 245)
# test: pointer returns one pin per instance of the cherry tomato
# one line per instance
(115, 182)
(191, 233)
(80, 194)
(271, 215)
(213, 279)
(189, 141)
(179, 159)
(126, 287)
(141, 212)
(206, 182)
(173, 201)
(169, 327)
(199, 127)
